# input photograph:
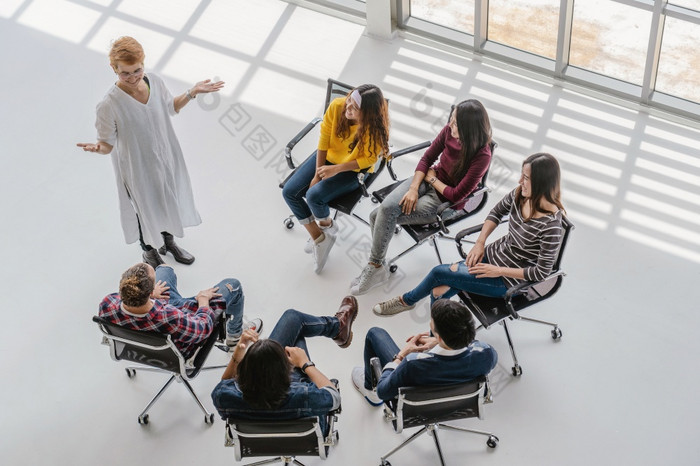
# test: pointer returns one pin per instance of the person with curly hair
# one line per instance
(354, 133)
(149, 300)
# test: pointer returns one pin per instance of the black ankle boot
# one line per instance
(178, 253)
(152, 258)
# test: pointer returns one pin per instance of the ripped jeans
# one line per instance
(459, 280)
(230, 289)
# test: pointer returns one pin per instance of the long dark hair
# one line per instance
(374, 119)
(545, 177)
(263, 374)
(474, 128)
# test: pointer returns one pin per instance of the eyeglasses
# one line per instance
(136, 73)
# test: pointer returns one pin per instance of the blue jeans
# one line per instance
(378, 343)
(459, 280)
(318, 196)
(294, 327)
(230, 289)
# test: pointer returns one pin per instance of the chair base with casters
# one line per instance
(345, 203)
(438, 230)
(156, 352)
(489, 311)
(431, 406)
(282, 439)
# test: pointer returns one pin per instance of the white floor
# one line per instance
(618, 387)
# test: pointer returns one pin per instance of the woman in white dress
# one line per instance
(133, 124)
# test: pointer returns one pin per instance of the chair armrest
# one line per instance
(376, 371)
(404, 151)
(464, 233)
(361, 175)
(295, 140)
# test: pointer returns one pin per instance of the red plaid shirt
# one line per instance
(187, 326)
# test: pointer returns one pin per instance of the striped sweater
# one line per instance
(531, 245)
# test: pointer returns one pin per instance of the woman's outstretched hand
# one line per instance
(206, 86)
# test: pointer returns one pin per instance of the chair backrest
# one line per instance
(549, 286)
(144, 347)
(297, 437)
(336, 89)
(419, 406)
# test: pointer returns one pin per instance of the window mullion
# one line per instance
(566, 19)
(654, 50)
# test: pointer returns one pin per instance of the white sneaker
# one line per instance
(391, 307)
(358, 380)
(321, 251)
(370, 277)
(332, 229)
(255, 324)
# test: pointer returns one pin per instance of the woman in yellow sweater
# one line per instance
(354, 132)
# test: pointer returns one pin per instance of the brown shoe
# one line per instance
(346, 316)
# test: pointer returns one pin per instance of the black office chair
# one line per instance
(438, 229)
(156, 352)
(345, 203)
(284, 439)
(500, 310)
(429, 407)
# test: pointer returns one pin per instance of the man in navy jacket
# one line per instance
(448, 354)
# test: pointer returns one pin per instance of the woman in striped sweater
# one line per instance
(526, 253)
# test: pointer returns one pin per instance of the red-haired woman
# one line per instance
(133, 124)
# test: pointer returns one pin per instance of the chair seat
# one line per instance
(420, 233)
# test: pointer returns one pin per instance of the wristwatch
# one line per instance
(307, 365)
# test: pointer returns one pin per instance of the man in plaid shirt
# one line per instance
(148, 300)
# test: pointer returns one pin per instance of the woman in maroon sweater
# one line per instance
(464, 156)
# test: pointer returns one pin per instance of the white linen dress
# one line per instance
(151, 175)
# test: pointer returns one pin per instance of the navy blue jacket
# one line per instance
(437, 367)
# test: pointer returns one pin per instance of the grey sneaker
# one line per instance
(321, 251)
(370, 277)
(332, 229)
(255, 324)
(358, 380)
(391, 307)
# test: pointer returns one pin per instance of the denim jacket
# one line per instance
(304, 399)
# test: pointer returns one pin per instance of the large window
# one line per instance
(526, 25)
(454, 14)
(644, 50)
(613, 44)
(679, 65)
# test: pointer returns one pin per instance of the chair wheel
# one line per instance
(209, 418)
(556, 334)
(289, 223)
(397, 229)
(517, 370)
(143, 420)
(130, 373)
(385, 463)
(374, 200)
(492, 442)
(393, 268)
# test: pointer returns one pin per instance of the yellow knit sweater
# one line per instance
(338, 150)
